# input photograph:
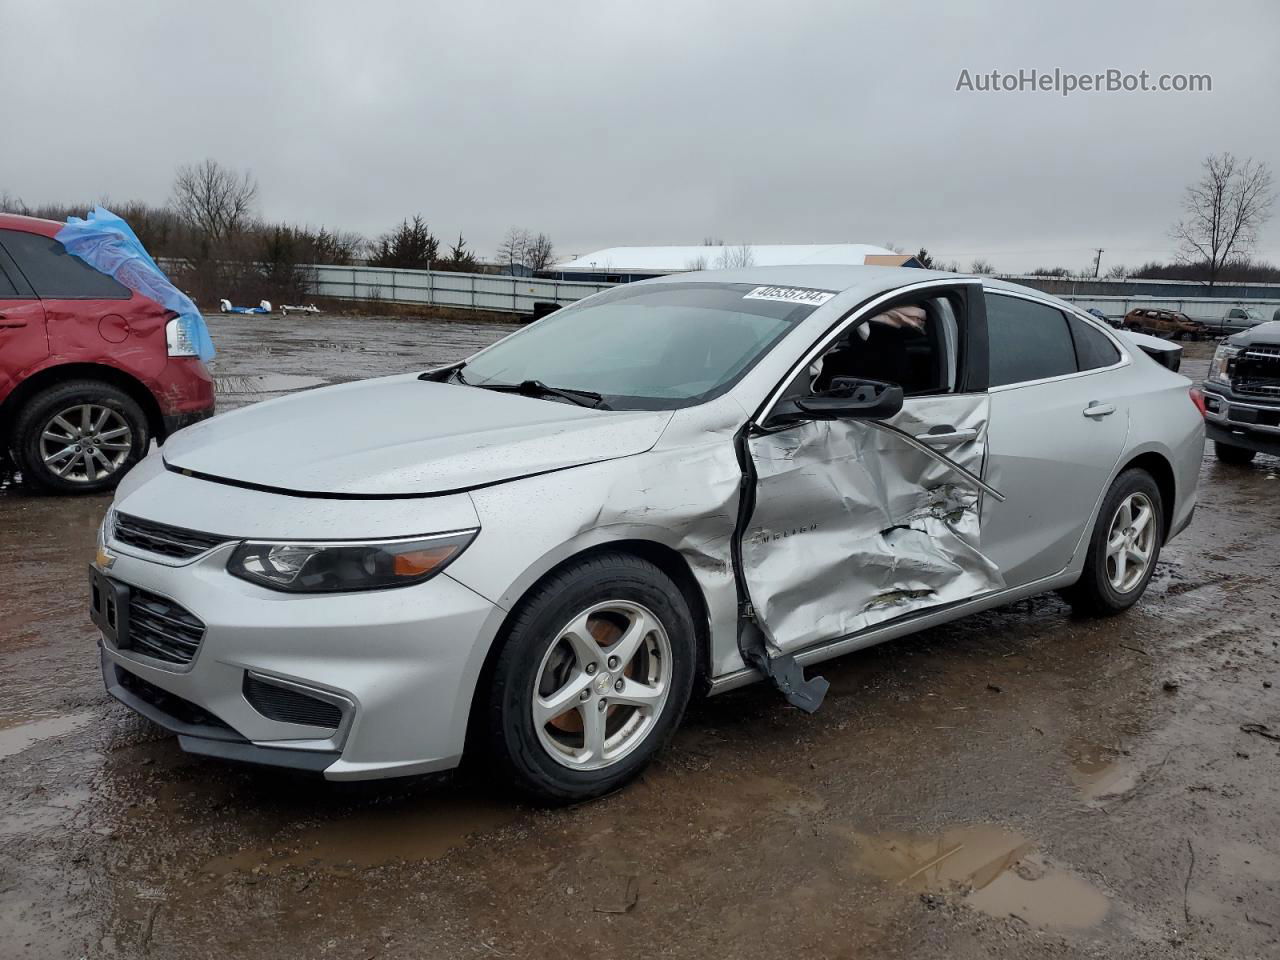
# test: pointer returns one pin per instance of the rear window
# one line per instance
(1093, 348)
(55, 274)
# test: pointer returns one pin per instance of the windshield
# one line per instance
(649, 346)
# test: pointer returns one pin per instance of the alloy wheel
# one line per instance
(1130, 542)
(602, 685)
(86, 442)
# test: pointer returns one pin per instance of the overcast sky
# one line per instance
(607, 124)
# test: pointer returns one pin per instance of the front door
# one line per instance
(854, 525)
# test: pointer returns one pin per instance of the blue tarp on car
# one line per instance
(106, 243)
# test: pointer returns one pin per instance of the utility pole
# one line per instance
(1097, 262)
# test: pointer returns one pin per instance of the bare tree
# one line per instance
(710, 241)
(1224, 210)
(1118, 272)
(11, 203)
(538, 252)
(513, 249)
(697, 263)
(984, 268)
(740, 256)
(214, 200)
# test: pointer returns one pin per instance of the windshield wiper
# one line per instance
(536, 388)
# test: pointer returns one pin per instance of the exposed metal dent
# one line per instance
(921, 620)
(852, 524)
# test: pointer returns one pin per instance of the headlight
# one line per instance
(1223, 360)
(346, 565)
(178, 339)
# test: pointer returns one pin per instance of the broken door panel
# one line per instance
(853, 526)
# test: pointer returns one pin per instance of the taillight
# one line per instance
(1197, 397)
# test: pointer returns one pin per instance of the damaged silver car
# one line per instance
(683, 484)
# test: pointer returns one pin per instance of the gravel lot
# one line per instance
(1019, 783)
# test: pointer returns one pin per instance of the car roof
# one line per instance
(834, 277)
(14, 221)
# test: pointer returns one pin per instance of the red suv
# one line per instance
(90, 371)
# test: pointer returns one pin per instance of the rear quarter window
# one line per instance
(55, 274)
(1094, 348)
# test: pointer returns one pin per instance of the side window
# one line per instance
(7, 288)
(1027, 341)
(1093, 348)
(55, 274)
(914, 344)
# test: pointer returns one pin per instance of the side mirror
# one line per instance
(848, 398)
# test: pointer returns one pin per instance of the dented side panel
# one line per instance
(853, 527)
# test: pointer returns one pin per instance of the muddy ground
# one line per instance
(1020, 783)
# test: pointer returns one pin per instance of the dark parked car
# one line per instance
(90, 371)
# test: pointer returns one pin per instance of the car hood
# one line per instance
(401, 436)
(1267, 334)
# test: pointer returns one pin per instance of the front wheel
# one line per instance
(593, 677)
(1123, 549)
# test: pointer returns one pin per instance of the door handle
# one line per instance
(1098, 410)
(946, 436)
(7, 324)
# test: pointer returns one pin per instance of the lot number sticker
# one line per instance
(813, 298)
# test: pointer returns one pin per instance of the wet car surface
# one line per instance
(1018, 781)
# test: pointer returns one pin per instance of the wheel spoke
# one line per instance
(593, 723)
(89, 473)
(1141, 520)
(113, 433)
(546, 709)
(1121, 565)
(585, 648)
(636, 694)
(113, 446)
(66, 451)
(61, 421)
(1116, 542)
(1124, 518)
(86, 419)
(1138, 556)
(107, 465)
(102, 418)
(627, 645)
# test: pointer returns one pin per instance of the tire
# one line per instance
(1235, 455)
(1097, 592)
(555, 761)
(58, 412)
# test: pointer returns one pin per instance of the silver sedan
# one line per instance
(686, 484)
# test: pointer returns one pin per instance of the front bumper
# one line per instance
(1250, 423)
(401, 666)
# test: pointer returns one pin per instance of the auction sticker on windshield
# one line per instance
(790, 295)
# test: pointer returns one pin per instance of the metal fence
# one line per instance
(1212, 311)
(469, 291)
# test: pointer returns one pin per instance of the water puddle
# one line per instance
(266, 383)
(997, 871)
(1099, 772)
(371, 838)
(14, 740)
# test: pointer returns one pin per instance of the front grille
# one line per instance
(1257, 372)
(288, 705)
(162, 629)
(164, 539)
(168, 703)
